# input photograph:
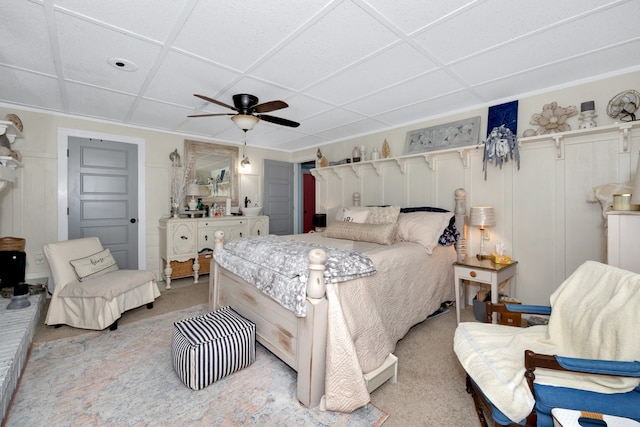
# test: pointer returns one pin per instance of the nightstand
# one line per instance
(481, 271)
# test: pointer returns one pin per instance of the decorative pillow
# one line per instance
(424, 228)
(383, 234)
(340, 212)
(349, 215)
(95, 265)
(450, 235)
(383, 214)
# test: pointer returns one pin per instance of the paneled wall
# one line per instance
(542, 210)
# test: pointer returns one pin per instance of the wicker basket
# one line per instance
(12, 244)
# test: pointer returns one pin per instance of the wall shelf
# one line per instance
(10, 130)
(401, 161)
(623, 129)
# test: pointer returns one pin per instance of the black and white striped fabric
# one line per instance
(209, 347)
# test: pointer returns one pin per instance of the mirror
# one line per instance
(214, 166)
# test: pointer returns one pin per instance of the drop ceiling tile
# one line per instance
(301, 107)
(411, 15)
(343, 36)
(577, 38)
(151, 113)
(95, 102)
(349, 130)
(84, 59)
(237, 34)
(180, 76)
(30, 89)
(18, 18)
(148, 18)
(453, 38)
(301, 142)
(437, 107)
(410, 92)
(619, 58)
(387, 68)
(327, 120)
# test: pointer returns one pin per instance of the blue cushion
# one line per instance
(625, 405)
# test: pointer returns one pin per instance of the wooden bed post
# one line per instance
(214, 270)
(461, 222)
(312, 334)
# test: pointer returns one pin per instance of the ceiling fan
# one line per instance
(248, 112)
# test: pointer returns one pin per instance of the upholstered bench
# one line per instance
(211, 346)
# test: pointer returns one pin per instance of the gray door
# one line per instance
(278, 196)
(102, 196)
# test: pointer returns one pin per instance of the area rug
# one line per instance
(125, 378)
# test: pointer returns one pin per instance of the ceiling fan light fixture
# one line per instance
(244, 121)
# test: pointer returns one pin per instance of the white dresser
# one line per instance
(186, 244)
(623, 239)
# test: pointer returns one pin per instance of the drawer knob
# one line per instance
(472, 274)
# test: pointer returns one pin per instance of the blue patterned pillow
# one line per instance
(450, 235)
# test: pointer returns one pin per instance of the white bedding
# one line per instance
(376, 312)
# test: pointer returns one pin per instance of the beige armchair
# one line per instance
(90, 291)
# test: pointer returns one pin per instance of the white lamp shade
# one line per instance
(635, 189)
(482, 216)
(244, 121)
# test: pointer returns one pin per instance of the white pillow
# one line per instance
(95, 265)
(424, 228)
(358, 216)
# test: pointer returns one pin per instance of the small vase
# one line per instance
(174, 210)
(355, 154)
(375, 154)
(386, 151)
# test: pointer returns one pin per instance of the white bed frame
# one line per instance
(300, 342)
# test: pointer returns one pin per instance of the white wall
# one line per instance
(28, 207)
(542, 212)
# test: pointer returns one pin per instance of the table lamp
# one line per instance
(194, 191)
(482, 217)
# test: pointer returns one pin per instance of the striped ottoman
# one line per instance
(208, 347)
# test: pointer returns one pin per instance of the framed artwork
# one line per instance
(440, 137)
(503, 115)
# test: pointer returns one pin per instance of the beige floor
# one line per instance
(430, 390)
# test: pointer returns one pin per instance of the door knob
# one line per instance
(132, 220)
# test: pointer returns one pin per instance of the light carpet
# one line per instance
(125, 378)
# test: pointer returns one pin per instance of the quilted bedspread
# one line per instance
(279, 267)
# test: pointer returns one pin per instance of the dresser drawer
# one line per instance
(474, 274)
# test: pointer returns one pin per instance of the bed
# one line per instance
(349, 329)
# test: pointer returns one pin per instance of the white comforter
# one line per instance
(368, 316)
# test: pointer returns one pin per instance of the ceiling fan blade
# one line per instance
(270, 106)
(278, 120)
(211, 115)
(215, 101)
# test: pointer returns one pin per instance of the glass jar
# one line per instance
(355, 154)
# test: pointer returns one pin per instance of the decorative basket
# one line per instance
(12, 244)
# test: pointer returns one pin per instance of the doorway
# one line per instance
(308, 196)
(64, 135)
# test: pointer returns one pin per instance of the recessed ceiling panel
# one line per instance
(85, 49)
(239, 33)
(180, 76)
(453, 38)
(29, 89)
(148, 18)
(411, 15)
(427, 86)
(342, 37)
(96, 102)
(19, 18)
(391, 66)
